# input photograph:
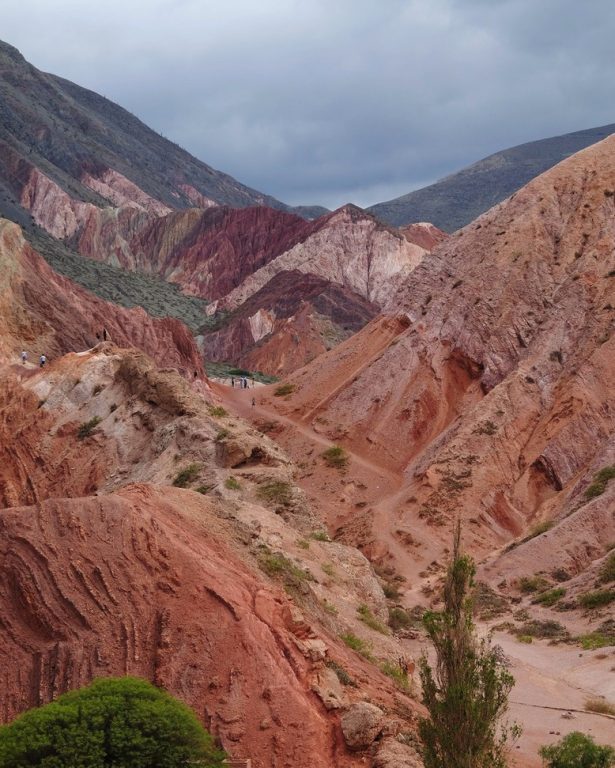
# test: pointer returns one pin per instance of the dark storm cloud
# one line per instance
(333, 101)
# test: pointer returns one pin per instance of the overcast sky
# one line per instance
(334, 101)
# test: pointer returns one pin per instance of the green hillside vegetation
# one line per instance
(458, 199)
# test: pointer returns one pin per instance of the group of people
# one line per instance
(41, 361)
(242, 382)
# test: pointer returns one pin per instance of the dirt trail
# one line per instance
(385, 510)
(240, 401)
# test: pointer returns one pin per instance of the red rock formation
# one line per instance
(289, 322)
(424, 234)
(211, 252)
(45, 312)
(141, 583)
(347, 247)
(497, 401)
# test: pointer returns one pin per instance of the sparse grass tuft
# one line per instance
(488, 604)
(549, 629)
(395, 672)
(187, 475)
(204, 489)
(284, 389)
(341, 673)
(599, 482)
(368, 618)
(596, 599)
(303, 544)
(391, 590)
(329, 608)
(87, 428)
(222, 435)
(218, 411)
(336, 457)
(356, 644)
(232, 483)
(529, 584)
(607, 572)
(276, 492)
(328, 569)
(550, 597)
(320, 536)
(601, 706)
(277, 565)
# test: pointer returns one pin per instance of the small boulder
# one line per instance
(362, 724)
(393, 754)
(328, 688)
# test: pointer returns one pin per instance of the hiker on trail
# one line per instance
(42, 361)
(24, 357)
(233, 382)
(253, 402)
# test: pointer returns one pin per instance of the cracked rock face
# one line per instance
(137, 583)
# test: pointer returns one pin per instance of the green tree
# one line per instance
(577, 751)
(466, 693)
(121, 722)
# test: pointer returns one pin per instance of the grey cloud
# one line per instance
(335, 101)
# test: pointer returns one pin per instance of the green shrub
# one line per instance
(368, 618)
(548, 629)
(607, 572)
(341, 673)
(278, 566)
(396, 673)
(336, 457)
(488, 604)
(88, 427)
(576, 750)
(320, 536)
(222, 435)
(391, 590)
(232, 483)
(550, 597)
(124, 722)
(595, 640)
(303, 543)
(276, 492)
(599, 482)
(328, 569)
(399, 618)
(204, 489)
(529, 584)
(187, 475)
(596, 599)
(284, 389)
(358, 645)
(217, 411)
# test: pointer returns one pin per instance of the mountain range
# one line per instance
(266, 553)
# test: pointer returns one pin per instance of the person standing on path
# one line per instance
(253, 402)
(42, 361)
(24, 357)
